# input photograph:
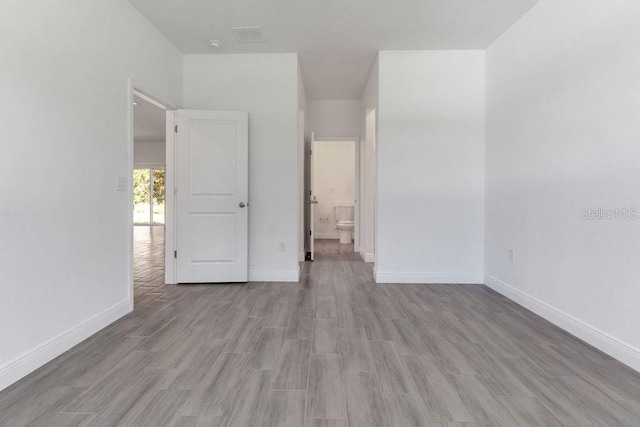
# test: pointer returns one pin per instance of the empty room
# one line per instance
(301, 213)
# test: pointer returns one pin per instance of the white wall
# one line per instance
(430, 167)
(368, 165)
(265, 85)
(64, 70)
(334, 183)
(563, 134)
(146, 153)
(334, 118)
(302, 113)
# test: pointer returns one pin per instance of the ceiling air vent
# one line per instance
(249, 34)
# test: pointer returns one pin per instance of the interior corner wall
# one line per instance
(430, 149)
(66, 107)
(334, 118)
(563, 148)
(265, 85)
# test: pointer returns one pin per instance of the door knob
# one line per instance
(242, 205)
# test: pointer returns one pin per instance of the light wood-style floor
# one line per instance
(148, 264)
(335, 349)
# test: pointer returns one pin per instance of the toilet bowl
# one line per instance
(344, 222)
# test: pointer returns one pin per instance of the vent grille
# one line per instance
(249, 34)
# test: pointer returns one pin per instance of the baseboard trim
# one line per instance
(300, 256)
(614, 347)
(273, 276)
(369, 257)
(28, 362)
(329, 235)
(428, 277)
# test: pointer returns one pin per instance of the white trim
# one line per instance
(330, 235)
(428, 277)
(274, 276)
(614, 347)
(300, 257)
(369, 257)
(170, 269)
(327, 235)
(28, 362)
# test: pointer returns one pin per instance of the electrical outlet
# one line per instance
(283, 246)
(512, 255)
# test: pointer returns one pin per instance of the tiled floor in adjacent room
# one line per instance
(148, 263)
(335, 349)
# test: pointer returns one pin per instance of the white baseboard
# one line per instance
(332, 235)
(273, 276)
(28, 362)
(300, 256)
(428, 277)
(369, 257)
(614, 347)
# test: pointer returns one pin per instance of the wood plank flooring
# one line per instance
(335, 349)
(148, 264)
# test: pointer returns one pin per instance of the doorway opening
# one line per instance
(148, 193)
(334, 183)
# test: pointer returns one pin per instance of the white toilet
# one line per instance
(344, 222)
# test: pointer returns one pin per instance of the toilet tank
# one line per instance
(344, 212)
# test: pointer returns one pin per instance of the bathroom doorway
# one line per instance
(334, 178)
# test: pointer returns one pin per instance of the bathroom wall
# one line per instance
(334, 182)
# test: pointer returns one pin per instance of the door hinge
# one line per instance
(175, 254)
(176, 128)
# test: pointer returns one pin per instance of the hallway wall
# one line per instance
(333, 118)
(430, 153)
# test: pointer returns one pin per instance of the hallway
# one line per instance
(335, 349)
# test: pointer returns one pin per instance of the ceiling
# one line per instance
(149, 122)
(337, 39)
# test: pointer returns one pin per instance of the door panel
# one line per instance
(212, 191)
(312, 200)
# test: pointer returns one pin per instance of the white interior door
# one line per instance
(313, 201)
(211, 158)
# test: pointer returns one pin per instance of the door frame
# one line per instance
(356, 195)
(134, 89)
